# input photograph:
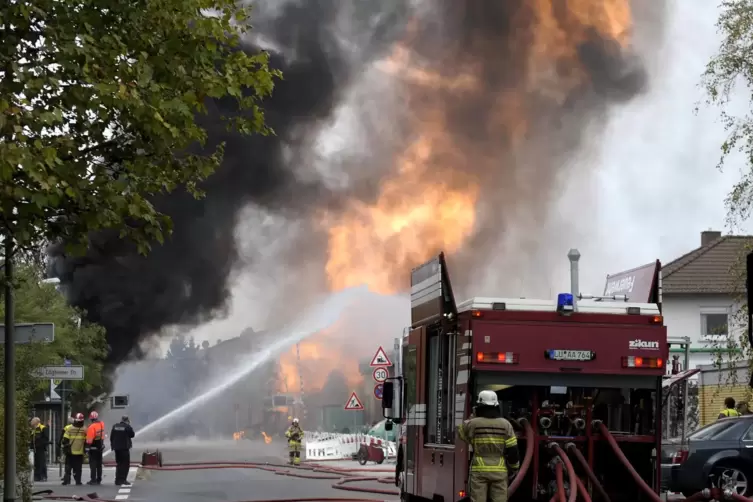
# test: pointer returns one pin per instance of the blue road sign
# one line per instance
(378, 391)
(67, 362)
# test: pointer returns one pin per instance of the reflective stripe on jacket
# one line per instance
(729, 412)
(294, 434)
(489, 438)
(75, 438)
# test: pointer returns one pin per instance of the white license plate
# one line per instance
(571, 355)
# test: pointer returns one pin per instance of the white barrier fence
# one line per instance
(333, 446)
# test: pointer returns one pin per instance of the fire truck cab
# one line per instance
(578, 380)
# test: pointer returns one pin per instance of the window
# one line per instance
(440, 391)
(714, 324)
(711, 431)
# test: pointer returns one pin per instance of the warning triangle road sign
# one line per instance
(380, 359)
(353, 403)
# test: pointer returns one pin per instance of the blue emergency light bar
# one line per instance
(565, 303)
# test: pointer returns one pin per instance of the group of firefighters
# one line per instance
(79, 442)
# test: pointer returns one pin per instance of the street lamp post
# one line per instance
(9, 473)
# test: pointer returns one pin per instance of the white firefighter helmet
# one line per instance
(295, 420)
(488, 398)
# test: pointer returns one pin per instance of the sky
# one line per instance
(660, 156)
(655, 189)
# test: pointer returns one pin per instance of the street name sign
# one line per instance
(60, 372)
(32, 332)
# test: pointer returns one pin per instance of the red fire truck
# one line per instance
(581, 381)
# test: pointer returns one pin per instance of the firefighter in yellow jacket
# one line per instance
(729, 409)
(495, 450)
(295, 436)
(74, 443)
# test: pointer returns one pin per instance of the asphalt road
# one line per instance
(234, 484)
(224, 484)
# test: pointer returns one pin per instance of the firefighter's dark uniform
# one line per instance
(729, 412)
(74, 443)
(40, 438)
(95, 442)
(294, 435)
(121, 437)
(495, 449)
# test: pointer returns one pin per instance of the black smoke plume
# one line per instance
(185, 280)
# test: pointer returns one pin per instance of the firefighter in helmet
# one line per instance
(295, 436)
(495, 450)
(74, 444)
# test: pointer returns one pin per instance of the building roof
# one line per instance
(717, 267)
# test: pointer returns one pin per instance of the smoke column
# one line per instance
(489, 103)
(185, 281)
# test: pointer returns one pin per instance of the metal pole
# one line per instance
(574, 255)
(63, 423)
(686, 367)
(53, 435)
(9, 473)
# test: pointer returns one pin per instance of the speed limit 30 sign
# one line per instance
(380, 374)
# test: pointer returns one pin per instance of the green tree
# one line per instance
(82, 343)
(98, 110)
(728, 74)
(730, 70)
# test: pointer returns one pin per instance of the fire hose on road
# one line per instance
(342, 478)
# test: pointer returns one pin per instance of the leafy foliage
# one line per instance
(729, 70)
(98, 109)
(82, 343)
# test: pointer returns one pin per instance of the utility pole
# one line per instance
(9, 474)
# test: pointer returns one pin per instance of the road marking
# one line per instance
(124, 490)
(121, 497)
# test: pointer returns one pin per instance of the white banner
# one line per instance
(333, 446)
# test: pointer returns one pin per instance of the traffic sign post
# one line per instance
(380, 359)
(353, 404)
(379, 391)
(380, 374)
(41, 332)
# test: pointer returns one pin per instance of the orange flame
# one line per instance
(313, 360)
(430, 203)
(267, 439)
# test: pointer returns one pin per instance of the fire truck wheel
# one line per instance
(363, 455)
(380, 461)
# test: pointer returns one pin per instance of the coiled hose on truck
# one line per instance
(572, 448)
(526, 464)
(570, 471)
(560, 480)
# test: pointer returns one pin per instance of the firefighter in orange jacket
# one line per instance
(95, 444)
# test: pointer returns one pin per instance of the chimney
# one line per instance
(709, 236)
